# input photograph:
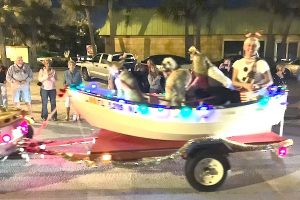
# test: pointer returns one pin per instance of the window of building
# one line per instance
(286, 51)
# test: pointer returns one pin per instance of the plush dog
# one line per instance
(209, 80)
(176, 82)
(202, 66)
(126, 85)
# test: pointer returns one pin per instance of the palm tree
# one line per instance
(6, 20)
(80, 10)
(33, 17)
(189, 13)
(288, 10)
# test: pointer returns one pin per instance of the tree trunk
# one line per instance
(110, 45)
(2, 48)
(287, 28)
(186, 37)
(197, 34)
(270, 41)
(32, 50)
(286, 33)
(91, 30)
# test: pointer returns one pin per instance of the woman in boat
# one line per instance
(126, 85)
(154, 78)
(209, 81)
(279, 77)
(251, 73)
(176, 82)
(226, 68)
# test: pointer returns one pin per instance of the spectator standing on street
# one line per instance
(72, 77)
(3, 90)
(19, 75)
(47, 77)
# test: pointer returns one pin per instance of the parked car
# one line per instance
(157, 60)
(57, 59)
(294, 67)
(98, 66)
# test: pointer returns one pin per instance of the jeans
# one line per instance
(52, 96)
(3, 95)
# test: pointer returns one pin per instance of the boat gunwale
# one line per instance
(117, 100)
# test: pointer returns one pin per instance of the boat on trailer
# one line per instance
(155, 121)
(133, 134)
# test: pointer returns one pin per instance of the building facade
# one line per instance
(145, 32)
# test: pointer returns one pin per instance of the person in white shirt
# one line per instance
(47, 77)
(251, 73)
(19, 75)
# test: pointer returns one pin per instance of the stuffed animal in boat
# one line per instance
(176, 82)
(126, 84)
(202, 66)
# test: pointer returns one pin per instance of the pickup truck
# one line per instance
(98, 66)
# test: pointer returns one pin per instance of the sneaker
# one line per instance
(67, 119)
(54, 119)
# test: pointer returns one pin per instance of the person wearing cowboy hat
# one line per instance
(209, 80)
(126, 85)
(176, 82)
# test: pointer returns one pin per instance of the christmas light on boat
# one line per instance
(162, 122)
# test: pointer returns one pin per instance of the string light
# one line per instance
(158, 111)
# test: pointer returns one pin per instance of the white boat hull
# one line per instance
(176, 124)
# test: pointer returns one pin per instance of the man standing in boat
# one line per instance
(251, 73)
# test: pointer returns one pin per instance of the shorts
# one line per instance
(21, 92)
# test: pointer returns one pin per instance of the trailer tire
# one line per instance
(85, 74)
(206, 171)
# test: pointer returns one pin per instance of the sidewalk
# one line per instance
(36, 98)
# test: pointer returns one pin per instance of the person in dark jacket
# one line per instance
(279, 77)
(72, 77)
(3, 90)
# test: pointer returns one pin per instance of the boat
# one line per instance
(102, 109)
(14, 126)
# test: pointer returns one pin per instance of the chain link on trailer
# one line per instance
(27, 146)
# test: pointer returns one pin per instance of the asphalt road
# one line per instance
(254, 175)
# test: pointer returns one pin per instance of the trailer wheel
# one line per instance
(85, 75)
(206, 171)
